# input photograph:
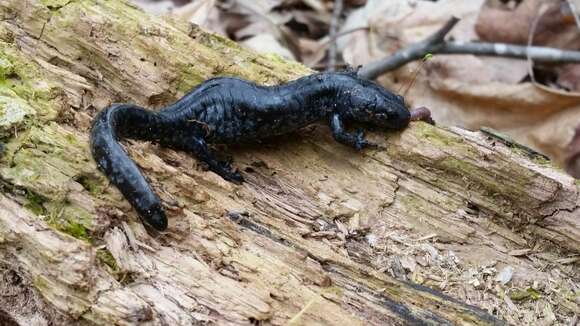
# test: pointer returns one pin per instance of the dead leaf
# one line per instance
(505, 275)
(197, 12)
(555, 26)
(471, 91)
(267, 43)
(572, 154)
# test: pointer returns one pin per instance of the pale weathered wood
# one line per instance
(288, 246)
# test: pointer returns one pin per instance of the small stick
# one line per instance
(332, 50)
(435, 44)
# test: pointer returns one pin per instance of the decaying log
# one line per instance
(288, 246)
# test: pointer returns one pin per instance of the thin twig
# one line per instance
(343, 33)
(323, 46)
(436, 45)
(413, 52)
(439, 35)
(332, 50)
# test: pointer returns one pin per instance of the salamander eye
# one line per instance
(400, 98)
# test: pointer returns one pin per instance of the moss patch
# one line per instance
(107, 259)
(69, 219)
(444, 139)
(491, 186)
(45, 162)
(524, 294)
(24, 92)
(74, 229)
(94, 184)
(465, 169)
(34, 203)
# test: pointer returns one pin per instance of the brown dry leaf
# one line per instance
(393, 24)
(203, 13)
(197, 12)
(156, 7)
(572, 161)
(466, 90)
(267, 43)
(313, 52)
(555, 25)
(316, 24)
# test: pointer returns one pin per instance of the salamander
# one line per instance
(228, 110)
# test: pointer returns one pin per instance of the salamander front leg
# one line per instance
(356, 140)
(199, 148)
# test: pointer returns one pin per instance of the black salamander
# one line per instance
(230, 110)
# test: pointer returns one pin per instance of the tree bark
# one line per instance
(290, 245)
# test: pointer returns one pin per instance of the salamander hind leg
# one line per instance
(198, 147)
(356, 140)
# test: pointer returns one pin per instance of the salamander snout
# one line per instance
(371, 103)
(397, 118)
(384, 110)
(390, 111)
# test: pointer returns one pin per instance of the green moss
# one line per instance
(540, 160)
(105, 257)
(43, 160)
(94, 184)
(536, 158)
(218, 42)
(72, 228)
(70, 219)
(77, 230)
(467, 171)
(40, 283)
(34, 203)
(525, 294)
(274, 57)
(24, 92)
(515, 188)
(189, 78)
(6, 35)
(6, 68)
(443, 138)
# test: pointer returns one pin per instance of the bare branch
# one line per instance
(435, 44)
(537, 53)
(332, 51)
(440, 34)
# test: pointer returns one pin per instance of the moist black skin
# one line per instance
(229, 110)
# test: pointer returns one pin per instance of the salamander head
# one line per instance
(370, 103)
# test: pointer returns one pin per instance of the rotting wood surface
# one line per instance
(285, 247)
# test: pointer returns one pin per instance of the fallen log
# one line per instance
(291, 245)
